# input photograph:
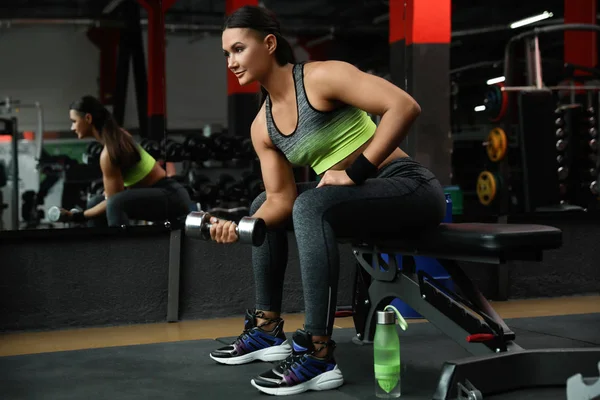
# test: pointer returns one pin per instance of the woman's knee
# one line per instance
(258, 202)
(308, 207)
(115, 203)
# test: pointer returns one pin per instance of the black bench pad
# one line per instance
(475, 239)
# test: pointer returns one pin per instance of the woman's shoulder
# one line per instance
(323, 69)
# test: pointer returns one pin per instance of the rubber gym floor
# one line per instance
(170, 361)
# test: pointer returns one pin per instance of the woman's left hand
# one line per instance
(335, 178)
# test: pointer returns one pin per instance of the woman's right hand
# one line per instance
(223, 231)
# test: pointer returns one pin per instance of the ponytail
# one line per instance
(284, 54)
(122, 149)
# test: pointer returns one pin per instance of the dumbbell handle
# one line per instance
(256, 236)
(248, 230)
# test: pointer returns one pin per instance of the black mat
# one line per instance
(183, 370)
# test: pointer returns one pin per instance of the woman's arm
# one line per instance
(338, 81)
(279, 182)
(277, 174)
(113, 184)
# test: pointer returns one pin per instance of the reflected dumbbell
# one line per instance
(152, 147)
(174, 151)
(198, 147)
(249, 230)
(57, 214)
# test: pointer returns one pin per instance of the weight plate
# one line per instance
(497, 144)
(487, 187)
(496, 102)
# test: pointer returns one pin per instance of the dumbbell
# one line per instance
(249, 230)
(56, 214)
(174, 151)
(223, 145)
(198, 147)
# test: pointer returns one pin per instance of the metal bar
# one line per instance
(537, 62)
(559, 87)
(508, 49)
(476, 65)
(174, 274)
(514, 370)
(471, 292)
(211, 25)
(39, 138)
(15, 175)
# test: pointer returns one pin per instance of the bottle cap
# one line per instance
(392, 309)
(386, 317)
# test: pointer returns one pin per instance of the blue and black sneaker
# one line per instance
(302, 371)
(255, 344)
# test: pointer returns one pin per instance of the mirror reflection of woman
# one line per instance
(136, 187)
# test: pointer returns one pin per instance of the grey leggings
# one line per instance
(404, 196)
(166, 199)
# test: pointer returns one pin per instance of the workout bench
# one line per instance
(497, 363)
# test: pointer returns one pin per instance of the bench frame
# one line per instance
(378, 282)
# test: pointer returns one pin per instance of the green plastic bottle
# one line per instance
(386, 353)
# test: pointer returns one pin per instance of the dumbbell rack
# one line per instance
(577, 155)
(221, 172)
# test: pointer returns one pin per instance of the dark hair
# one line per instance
(121, 147)
(265, 23)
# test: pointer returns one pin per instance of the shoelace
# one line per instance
(258, 315)
(286, 364)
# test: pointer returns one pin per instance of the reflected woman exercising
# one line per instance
(135, 185)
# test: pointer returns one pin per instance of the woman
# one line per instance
(316, 114)
(152, 196)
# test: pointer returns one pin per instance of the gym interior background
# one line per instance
(510, 97)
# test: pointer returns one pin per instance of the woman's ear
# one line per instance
(88, 118)
(271, 43)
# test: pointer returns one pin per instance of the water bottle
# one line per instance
(386, 347)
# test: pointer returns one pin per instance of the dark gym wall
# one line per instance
(53, 279)
(419, 39)
(57, 279)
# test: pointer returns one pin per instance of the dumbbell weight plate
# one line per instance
(55, 214)
(497, 144)
(253, 228)
(487, 187)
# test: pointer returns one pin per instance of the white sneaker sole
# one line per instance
(270, 354)
(326, 381)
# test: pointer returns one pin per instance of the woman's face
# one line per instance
(248, 56)
(81, 125)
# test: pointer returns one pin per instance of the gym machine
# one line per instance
(525, 171)
(10, 127)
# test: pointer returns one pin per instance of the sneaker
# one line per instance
(301, 371)
(254, 344)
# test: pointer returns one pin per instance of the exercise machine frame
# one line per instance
(498, 364)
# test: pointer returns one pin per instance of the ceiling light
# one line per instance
(479, 108)
(531, 20)
(493, 81)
